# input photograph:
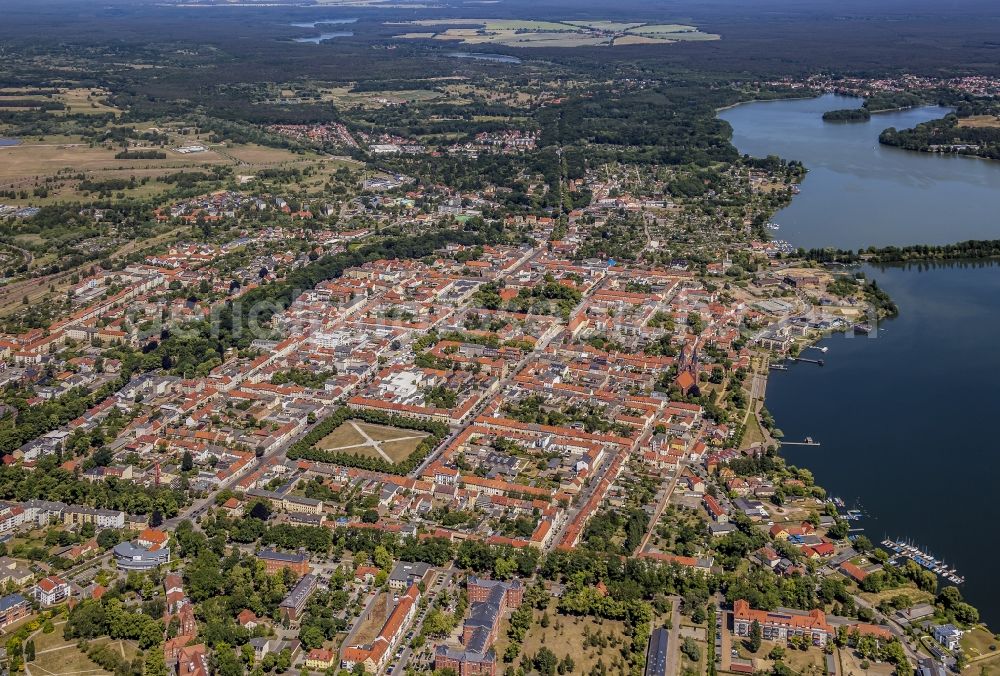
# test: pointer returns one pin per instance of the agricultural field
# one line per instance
(356, 437)
(345, 98)
(515, 33)
(76, 100)
(980, 121)
(25, 166)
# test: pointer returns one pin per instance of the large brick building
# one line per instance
(488, 601)
(275, 562)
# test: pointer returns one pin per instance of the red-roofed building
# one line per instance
(375, 655)
(853, 571)
(320, 659)
(192, 660)
(51, 590)
(780, 625)
(152, 538)
(247, 619)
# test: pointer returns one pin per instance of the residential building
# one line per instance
(320, 659)
(374, 657)
(292, 606)
(406, 573)
(782, 624)
(948, 635)
(192, 660)
(102, 518)
(13, 607)
(51, 590)
(152, 538)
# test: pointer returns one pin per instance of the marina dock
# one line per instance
(924, 559)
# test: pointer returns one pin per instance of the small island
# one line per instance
(847, 115)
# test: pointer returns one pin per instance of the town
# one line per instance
(419, 462)
(428, 362)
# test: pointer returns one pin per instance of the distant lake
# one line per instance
(313, 24)
(859, 193)
(901, 417)
(317, 39)
(9, 142)
(499, 58)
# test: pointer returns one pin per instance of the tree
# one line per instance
(155, 664)
(29, 651)
(187, 462)
(690, 648)
(545, 661)
(311, 636)
(382, 557)
(755, 636)
(284, 660)
(260, 511)
(226, 662)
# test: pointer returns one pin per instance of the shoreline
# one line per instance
(783, 98)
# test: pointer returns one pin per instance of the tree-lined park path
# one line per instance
(375, 444)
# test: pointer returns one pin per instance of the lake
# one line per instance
(313, 24)
(498, 58)
(859, 193)
(317, 39)
(8, 142)
(901, 416)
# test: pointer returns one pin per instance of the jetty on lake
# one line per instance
(808, 441)
(925, 560)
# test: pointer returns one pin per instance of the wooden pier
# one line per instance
(818, 362)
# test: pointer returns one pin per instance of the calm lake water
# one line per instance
(313, 24)
(317, 39)
(902, 416)
(330, 35)
(858, 193)
(499, 58)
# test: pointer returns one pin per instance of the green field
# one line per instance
(523, 33)
(356, 437)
